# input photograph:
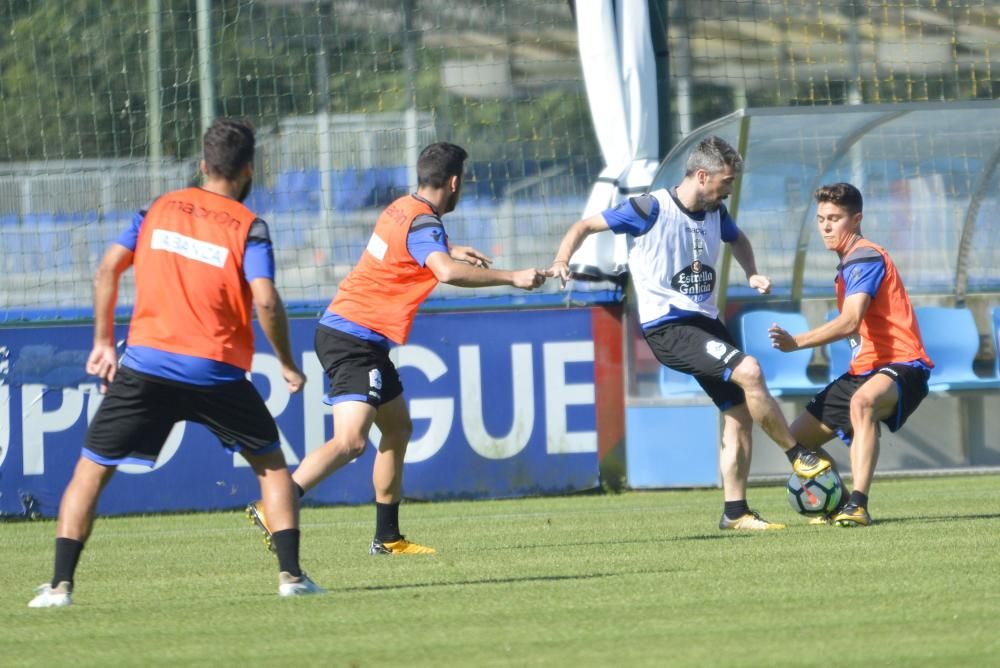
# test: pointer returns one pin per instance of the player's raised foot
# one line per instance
(401, 546)
(47, 596)
(255, 513)
(810, 464)
(852, 516)
(290, 585)
(749, 522)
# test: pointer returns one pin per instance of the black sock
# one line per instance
(67, 556)
(387, 521)
(793, 452)
(298, 489)
(736, 509)
(286, 546)
(859, 499)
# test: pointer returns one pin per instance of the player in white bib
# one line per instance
(675, 239)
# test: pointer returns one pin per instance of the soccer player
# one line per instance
(375, 305)
(889, 369)
(676, 235)
(201, 260)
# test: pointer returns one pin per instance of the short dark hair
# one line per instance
(438, 162)
(229, 146)
(713, 154)
(843, 195)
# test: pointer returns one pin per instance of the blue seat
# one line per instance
(352, 188)
(840, 358)
(952, 341)
(677, 384)
(785, 372)
(297, 190)
(390, 183)
(839, 353)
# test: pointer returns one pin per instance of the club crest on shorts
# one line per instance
(374, 383)
(716, 349)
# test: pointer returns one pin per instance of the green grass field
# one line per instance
(634, 579)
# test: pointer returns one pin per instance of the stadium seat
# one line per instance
(785, 372)
(952, 341)
(677, 384)
(352, 188)
(390, 183)
(839, 353)
(840, 358)
(297, 191)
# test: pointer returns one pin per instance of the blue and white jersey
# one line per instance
(673, 255)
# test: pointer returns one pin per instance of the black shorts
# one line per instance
(832, 406)
(703, 348)
(139, 411)
(358, 370)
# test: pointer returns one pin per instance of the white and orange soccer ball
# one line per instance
(816, 496)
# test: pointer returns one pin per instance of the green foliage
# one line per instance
(640, 579)
(73, 80)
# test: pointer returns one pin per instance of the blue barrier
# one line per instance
(502, 405)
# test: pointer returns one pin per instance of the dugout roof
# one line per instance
(928, 173)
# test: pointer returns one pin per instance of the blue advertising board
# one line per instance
(502, 405)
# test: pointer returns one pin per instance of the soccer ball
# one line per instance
(815, 496)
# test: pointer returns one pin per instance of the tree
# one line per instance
(73, 80)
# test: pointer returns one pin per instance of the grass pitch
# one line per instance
(637, 579)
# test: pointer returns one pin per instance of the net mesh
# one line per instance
(102, 104)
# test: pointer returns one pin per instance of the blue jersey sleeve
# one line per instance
(426, 236)
(258, 256)
(863, 271)
(730, 232)
(634, 216)
(258, 260)
(130, 235)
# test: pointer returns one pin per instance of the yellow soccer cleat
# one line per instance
(748, 522)
(852, 516)
(401, 546)
(255, 513)
(810, 464)
(826, 519)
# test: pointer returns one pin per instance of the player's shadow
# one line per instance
(635, 541)
(511, 580)
(937, 518)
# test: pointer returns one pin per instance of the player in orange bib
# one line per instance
(407, 255)
(202, 262)
(889, 369)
